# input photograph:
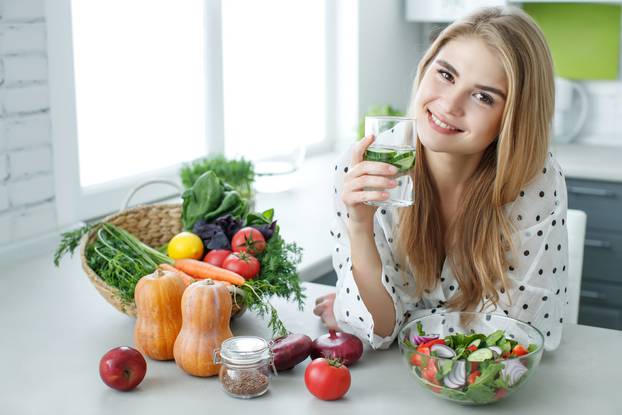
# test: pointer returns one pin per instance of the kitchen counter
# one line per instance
(56, 327)
(590, 162)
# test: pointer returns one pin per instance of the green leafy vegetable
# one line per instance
(420, 329)
(278, 277)
(238, 173)
(208, 199)
(69, 242)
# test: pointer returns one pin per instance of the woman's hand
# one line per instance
(365, 181)
(324, 309)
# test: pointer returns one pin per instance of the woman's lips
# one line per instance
(440, 129)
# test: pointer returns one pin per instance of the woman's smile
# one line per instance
(440, 125)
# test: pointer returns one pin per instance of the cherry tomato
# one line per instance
(519, 350)
(416, 359)
(327, 379)
(472, 348)
(242, 264)
(501, 393)
(216, 256)
(429, 372)
(248, 240)
(473, 376)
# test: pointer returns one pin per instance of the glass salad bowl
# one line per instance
(470, 358)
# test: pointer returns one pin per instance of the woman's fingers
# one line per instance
(354, 198)
(375, 168)
(359, 149)
(370, 183)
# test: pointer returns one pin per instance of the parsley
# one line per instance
(278, 277)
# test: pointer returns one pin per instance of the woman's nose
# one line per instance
(453, 103)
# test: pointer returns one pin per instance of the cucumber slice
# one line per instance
(404, 162)
(480, 355)
(475, 343)
(380, 154)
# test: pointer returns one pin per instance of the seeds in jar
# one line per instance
(244, 383)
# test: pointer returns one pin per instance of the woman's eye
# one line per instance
(485, 98)
(446, 75)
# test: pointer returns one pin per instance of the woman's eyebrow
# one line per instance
(453, 70)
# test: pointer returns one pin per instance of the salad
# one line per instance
(470, 368)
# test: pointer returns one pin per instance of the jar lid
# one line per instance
(241, 350)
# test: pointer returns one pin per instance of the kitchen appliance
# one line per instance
(571, 108)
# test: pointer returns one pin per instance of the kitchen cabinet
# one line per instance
(601, 288)
(450, 10)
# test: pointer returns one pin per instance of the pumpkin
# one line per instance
(206, 311)
(158, 313)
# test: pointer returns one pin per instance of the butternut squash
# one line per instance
(206, 311)
(158, 313)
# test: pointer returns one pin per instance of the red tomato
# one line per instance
(327, 379)
(472, 376)
(216, 256)
(248, 240)
(242, 264)
(429, 372)
(472, 348)
(416, 359)
(519, 350)
(433, 342)
(501, 393)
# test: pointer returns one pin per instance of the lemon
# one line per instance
(185, 245)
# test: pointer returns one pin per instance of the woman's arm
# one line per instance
(366, 267)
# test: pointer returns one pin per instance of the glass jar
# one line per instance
(246, 366)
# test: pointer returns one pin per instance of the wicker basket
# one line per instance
(154, 225)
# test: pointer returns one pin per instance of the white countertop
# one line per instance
(589, 161)
(55, 328)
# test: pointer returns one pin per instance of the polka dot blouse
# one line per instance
(538, 275)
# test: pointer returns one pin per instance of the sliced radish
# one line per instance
(456, 378)
(512, 371)
(443, 351)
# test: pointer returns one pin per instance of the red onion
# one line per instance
(337, 345)
(417, 340)
(290, 350)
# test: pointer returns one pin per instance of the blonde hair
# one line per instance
(478, 240)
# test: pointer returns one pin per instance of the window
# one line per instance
(139, 87)
(274, 70)
(139, 82)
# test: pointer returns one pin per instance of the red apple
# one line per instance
(122, 368)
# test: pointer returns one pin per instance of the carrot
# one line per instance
(203, 270)
(187, 279)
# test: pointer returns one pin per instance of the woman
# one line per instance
(487, 230)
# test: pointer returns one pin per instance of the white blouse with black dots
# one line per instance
(539, 275)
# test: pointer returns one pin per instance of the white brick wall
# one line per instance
(22, 10)
(20, 69)
(27, 206)
(26, 131)
(22, 37)
(30, 161)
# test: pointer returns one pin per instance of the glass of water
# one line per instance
(394, 144)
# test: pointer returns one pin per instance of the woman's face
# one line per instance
(460, 100)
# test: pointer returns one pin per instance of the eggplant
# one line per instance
(289, 350)
(513, 370)
(443, 351)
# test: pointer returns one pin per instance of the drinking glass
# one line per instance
(394, 144)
